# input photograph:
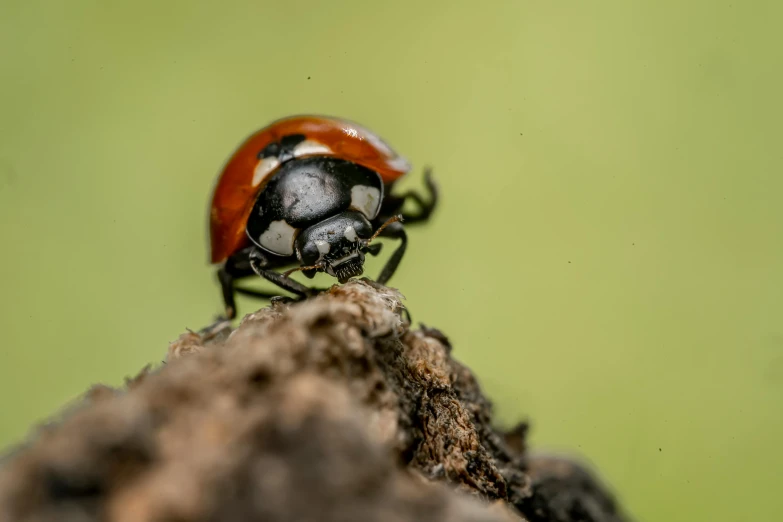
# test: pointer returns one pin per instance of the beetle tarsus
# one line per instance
(407, 315)
(282, 299)
(213, 330)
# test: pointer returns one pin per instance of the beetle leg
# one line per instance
(227, 275)
(425, 207)
(286, 283)
(227, 287)
(394, 231)
(260, 294)
(222, 321)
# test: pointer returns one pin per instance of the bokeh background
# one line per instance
(608, 254)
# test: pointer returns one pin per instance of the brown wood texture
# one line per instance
(333, 409)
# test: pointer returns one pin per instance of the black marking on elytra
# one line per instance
(283, 150)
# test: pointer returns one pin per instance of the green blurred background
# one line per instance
(607, 255)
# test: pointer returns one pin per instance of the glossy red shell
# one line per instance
(235, 192)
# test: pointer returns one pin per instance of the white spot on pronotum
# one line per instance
(323, 248)
(310, 148)
(350, 233)
(279, 238)
(263, 169)
(366, 200)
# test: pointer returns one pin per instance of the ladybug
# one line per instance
(311, 194)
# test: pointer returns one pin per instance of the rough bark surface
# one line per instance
(333, 409)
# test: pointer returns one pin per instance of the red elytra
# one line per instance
(235, 192)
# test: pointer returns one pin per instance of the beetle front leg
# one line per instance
(236, 267)
(393, 231)
(257, 262)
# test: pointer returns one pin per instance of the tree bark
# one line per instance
(333, 409)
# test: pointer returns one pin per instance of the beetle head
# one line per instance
(338, 245)
(335, 246)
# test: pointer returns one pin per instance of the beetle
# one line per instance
(312, 191)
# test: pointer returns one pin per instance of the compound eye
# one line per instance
(361, 228)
